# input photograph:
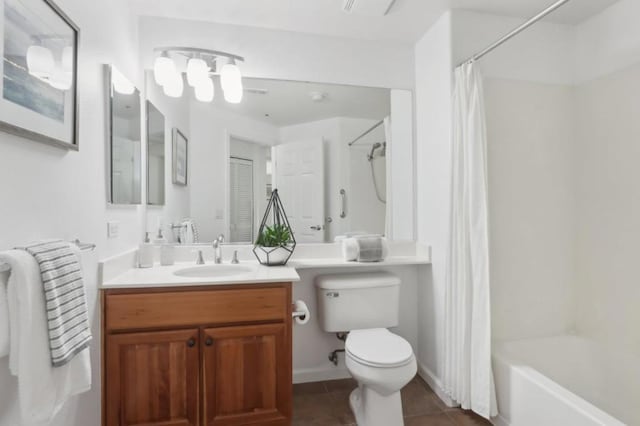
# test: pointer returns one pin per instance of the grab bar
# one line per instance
(343, 197)
(82, 246)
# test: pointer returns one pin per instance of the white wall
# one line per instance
(608, 42)
(543, 53)
(177, 197)
(433, 150)
(211, 129)
(608, 206)
(286, 55)
(51, 193)
(531, 197)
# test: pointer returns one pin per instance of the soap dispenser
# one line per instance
(145, 253)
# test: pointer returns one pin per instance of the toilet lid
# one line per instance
(378, 347)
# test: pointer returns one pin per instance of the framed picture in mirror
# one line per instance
(38, 98)
(180, 158)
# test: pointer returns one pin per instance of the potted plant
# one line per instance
(275, 242)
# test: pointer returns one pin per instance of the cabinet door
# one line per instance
(152, 378)
(247, 375)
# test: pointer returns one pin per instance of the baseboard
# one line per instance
(499, 421)
(434, 383)
(320, 374)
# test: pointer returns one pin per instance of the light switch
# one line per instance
(113, 229)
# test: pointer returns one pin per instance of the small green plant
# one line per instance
(274, 236)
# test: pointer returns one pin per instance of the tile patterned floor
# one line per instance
(326, 404)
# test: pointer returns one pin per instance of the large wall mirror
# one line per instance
(156, 163)
(323, 146)
(124, 138)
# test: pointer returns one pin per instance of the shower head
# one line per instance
(373, 149)
(376, 146)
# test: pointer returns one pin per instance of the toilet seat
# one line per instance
(378, 347)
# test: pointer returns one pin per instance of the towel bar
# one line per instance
(82, 246)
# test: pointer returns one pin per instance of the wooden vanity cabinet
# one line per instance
(205, 356)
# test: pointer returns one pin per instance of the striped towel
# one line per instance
(66, 304)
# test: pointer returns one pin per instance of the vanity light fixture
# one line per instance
(200, 66)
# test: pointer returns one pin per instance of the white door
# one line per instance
(299, 178)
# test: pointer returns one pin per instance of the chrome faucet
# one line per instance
(217, 252)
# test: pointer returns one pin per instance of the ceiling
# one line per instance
(406, 21)
(289, 102)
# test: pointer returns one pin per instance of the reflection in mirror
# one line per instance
(124, 139)
(155, 156)
(323, 146)
(250, 188)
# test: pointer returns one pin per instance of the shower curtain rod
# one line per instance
(375, 126)
(516, 31)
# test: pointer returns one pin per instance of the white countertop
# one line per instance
(164, 276)
(119, 272)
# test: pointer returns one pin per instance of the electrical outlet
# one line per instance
(113, 229)
(219, 214)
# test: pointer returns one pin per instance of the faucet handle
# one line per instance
(216, 244)
(235, 260)
(200, 260)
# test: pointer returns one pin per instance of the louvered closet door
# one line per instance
(241, 202)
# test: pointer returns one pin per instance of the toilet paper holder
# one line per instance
(300, 312)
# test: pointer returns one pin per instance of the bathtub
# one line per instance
(565, 381)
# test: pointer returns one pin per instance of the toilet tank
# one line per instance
(358, 301)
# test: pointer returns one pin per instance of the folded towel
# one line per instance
(349, 249)
(4, 315)
(42, 389)
(371, 248)
(66, 302)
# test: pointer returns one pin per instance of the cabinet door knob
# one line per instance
(209, 341)
(191, 342)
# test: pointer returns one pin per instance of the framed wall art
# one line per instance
(38, 95)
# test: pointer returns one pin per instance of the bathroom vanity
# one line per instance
(197, 355)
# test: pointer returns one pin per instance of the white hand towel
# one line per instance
(42, 389)
(4, 316)
(350, 249)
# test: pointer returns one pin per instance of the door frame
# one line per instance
(228, 135)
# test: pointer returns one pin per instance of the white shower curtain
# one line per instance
(468, 378)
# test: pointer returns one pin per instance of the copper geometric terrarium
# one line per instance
(276, 242)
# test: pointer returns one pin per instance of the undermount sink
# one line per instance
(213, 271)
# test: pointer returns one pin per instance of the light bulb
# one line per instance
(205, 90)
(40, 62)
(174, 86)
(60, 79)
(233, 94)
(197, 71)
(120, 83)
(164, 69)
(230, 75)
(67, 59)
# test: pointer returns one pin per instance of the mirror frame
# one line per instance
(148, 104)
(108, 86)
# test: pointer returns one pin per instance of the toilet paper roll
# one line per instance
(301, 312)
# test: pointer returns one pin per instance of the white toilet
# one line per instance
(382, 362)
